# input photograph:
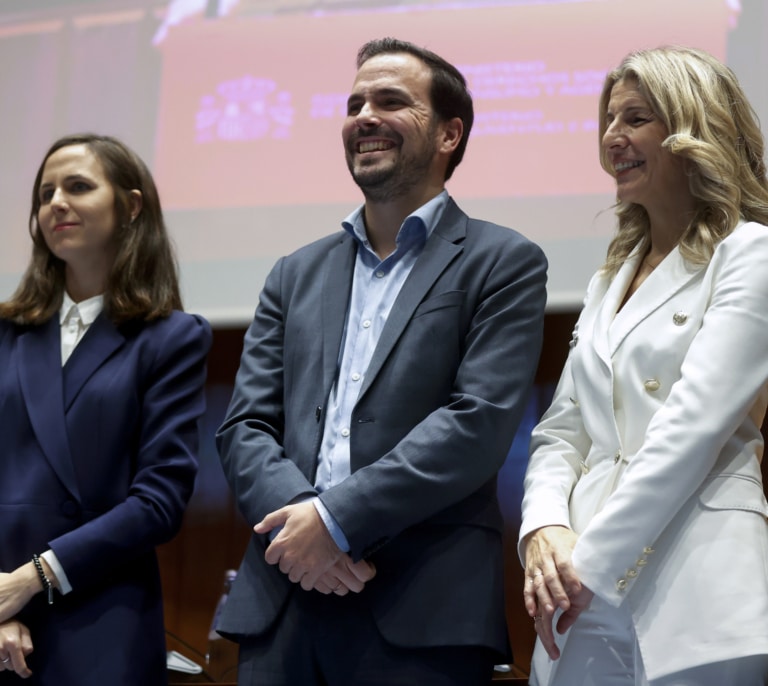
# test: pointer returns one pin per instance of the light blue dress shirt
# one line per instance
(376, 283)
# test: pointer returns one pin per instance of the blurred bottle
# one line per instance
(229, 577)
(221, 660)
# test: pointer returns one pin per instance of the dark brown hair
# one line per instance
(143, 281)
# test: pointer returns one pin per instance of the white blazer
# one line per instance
(651, 452)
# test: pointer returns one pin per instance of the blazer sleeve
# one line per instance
(722, 374)
(558, 448)
(457, 449)
(251, 438)
(164, 450)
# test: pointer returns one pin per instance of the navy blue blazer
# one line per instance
(98, 460)
(436, 414)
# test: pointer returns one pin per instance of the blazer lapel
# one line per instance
(100, 341)
(608, 306)
(440, 250)
(40, 378)
(338, 279)
(667, 279)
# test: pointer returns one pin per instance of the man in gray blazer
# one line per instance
(381, 384)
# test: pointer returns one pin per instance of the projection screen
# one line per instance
(237, 106)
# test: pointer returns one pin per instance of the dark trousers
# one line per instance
(333, 641)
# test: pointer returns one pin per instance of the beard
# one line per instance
(383, 182)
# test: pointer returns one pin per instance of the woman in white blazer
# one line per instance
(645, 526)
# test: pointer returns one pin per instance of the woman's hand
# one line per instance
(552, 582)
(18, 587)
(579, 603)
(15, 645)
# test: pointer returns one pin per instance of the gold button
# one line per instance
(632, 573)
(679, 318)
(652, 385)
(648, 550)
(641, 562)
(621, 585)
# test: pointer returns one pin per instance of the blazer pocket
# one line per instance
(734, 492)
(440, 302)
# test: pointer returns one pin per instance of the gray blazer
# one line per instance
(438, 409)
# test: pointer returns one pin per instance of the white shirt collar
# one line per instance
(88, 309)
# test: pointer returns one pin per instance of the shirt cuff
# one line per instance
(53, 562)
(332, 525)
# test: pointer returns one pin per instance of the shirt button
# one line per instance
(355, 377)
(367, 324)
(379, 275)
(345, 432)
(621, 585)
(652, 385)
(617, 457)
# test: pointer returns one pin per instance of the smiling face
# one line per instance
(394, 145)
(646, 173)
(76, 214)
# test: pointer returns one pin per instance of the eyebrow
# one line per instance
(630, 109)
(383, 91)
(71, 177)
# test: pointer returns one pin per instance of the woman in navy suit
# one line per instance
(100, 391)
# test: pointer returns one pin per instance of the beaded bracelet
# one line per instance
(44, 580)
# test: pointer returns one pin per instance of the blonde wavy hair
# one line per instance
(713, 128)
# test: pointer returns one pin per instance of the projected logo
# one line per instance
(244, 109)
